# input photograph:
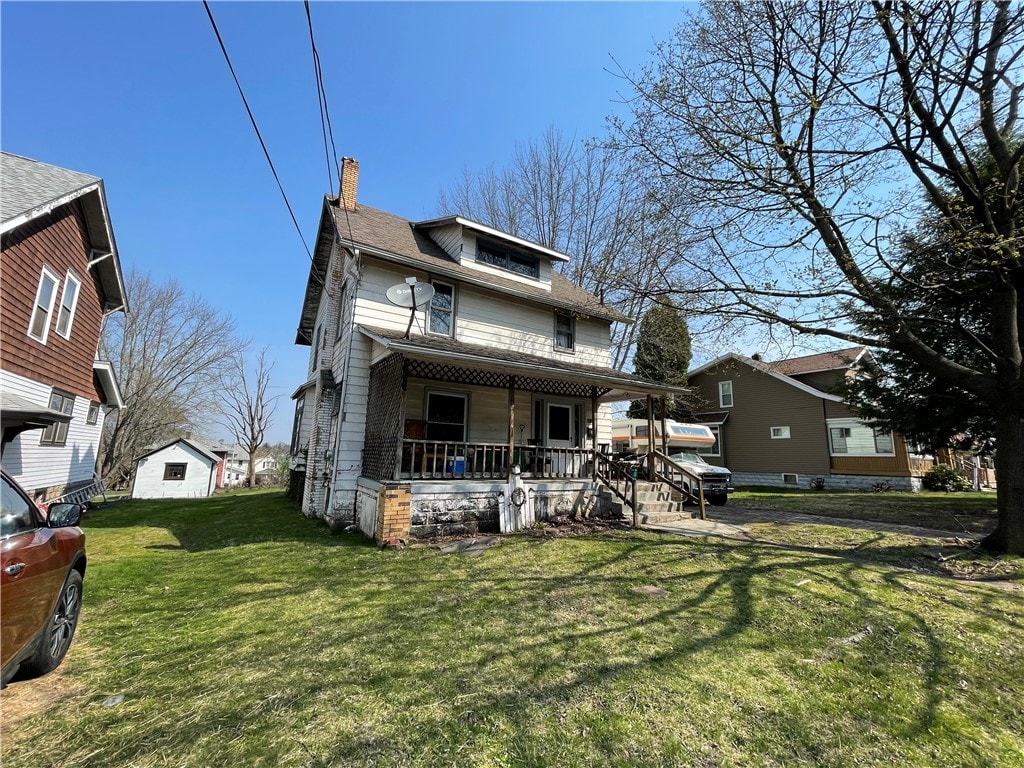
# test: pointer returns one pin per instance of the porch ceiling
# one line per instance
(444, 358)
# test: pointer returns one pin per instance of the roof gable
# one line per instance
(765, 368)
(400, 241)
(840, 359)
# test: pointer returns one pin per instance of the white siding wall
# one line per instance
(485, 319)
(200, 477)
(37, 467)
(449, 238)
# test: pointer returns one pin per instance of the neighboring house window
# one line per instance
(174, 471)
(780, 433)
(57, 434)
(68, 302)
(94, 413)
(442, 309)
(712, 450)
(725, 394)
(565, 331)
(297, 425)
(39, 325)
(513, 261)
(446, 416)
(852, 438)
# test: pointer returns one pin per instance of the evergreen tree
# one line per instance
(662, 354)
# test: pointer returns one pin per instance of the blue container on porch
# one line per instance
(456, 465)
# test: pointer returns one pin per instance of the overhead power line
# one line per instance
(256, 128)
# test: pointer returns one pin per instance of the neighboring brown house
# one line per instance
(778, 424)
(59, 276)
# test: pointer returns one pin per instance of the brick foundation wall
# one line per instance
(393, 512)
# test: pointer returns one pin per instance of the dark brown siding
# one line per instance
(59, 241)
(760, 403)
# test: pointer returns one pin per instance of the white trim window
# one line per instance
(725, 399)
(46, 294)
(68, 304)
(57, 433)
(780, 433)
(447, 416)
(442, 310)
(849, 437)
(94, 413)
(565, 332)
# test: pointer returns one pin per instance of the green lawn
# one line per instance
(973, 512)
(242, 634)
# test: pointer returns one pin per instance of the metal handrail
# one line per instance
(664, 469)
(614, 475)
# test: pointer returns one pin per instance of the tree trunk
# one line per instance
(1008, 536)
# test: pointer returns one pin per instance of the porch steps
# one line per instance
(656, 503)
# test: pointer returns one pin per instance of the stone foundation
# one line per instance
(741, 480)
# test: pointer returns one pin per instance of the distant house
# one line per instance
(60, 276)
(779, 424)
(485, 402)
(182, 468)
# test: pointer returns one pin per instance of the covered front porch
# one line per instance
(462, 427)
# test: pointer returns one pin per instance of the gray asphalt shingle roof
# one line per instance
(26, 185)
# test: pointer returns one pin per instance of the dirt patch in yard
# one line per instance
(24, 700)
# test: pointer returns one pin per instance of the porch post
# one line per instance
(511, 423)
(650, 438)
(664, 427)
(400, 447)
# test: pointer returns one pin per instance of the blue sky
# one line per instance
(139, 94)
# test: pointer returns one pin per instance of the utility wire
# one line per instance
(255, 127)
(325, 125)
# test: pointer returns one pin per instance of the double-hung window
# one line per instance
(442, 309)
(46, 293)
(446, 416)
(57, 433)
(725, 399)
(68, 303)
(565, 331)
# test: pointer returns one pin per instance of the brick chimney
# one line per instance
(349, 182)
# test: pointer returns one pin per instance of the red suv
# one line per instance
(42, 563)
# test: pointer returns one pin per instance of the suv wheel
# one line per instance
(60, 629)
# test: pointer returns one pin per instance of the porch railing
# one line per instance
(442, 460)
(689, 485)
(621, 480)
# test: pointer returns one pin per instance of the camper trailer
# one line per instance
(630, 436)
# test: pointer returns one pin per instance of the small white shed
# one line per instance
(179, 470)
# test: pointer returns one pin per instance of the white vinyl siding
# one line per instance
(36, 466)
(449, 237)
(42, 310)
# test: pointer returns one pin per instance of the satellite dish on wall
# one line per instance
(411, 294)
(406, 295)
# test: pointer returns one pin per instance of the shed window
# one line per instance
(46, 293)
(175, 471)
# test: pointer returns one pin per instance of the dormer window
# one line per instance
(504, 258)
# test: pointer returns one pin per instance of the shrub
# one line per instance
(943, 477)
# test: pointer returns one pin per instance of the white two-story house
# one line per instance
(490, 397)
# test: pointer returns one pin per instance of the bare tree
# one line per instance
(582, 201)
(170, 354)
(247, 410)
(799, 142)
